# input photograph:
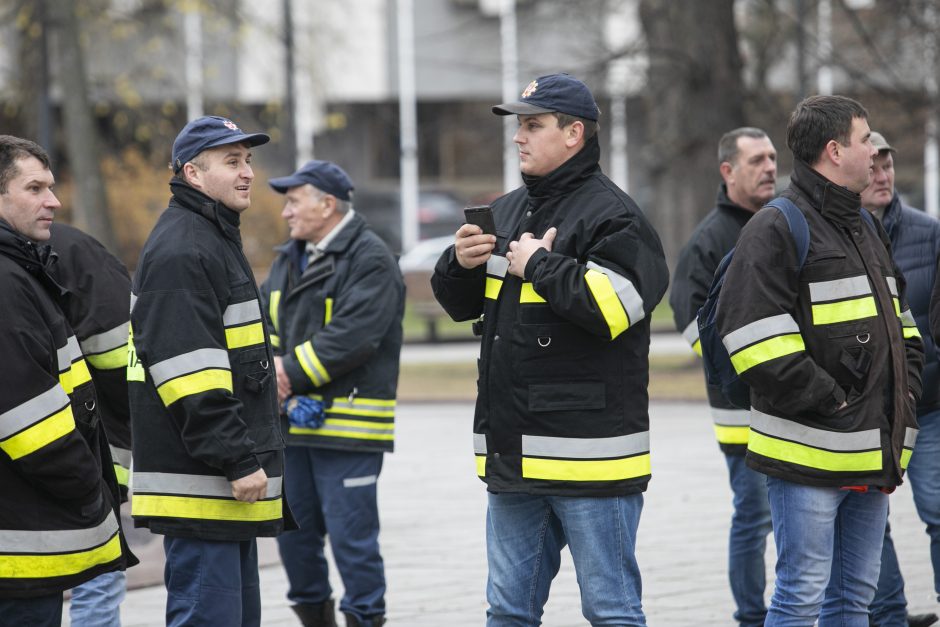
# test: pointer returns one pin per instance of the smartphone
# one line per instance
(482, 216)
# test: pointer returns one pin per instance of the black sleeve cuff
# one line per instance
(242, 468)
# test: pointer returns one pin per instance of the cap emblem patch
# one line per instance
(530, 89)
(230, 125)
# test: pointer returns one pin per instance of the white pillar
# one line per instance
(408, 118)
(192, 42)
(824, 50)
(931, 150)
(508, 45)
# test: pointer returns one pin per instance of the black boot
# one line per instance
(921, 620)
(316, 614)
(375, 621)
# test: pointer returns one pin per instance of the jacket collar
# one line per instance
(892, 215)
(834, 202)
(568, 176)
(188, 197)
(294, 249)
(724, 202)
(37, 259)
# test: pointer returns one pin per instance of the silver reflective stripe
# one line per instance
(104, 342)
(332, 426)
(68, 353)
(359, 482)
(731, 417)
(479, 444)
(829, 440)
(907, 318)
(133, 300)
(189, 362)
(691, 332)
(32, 411)
(840, 288)
(58, 540)
(497, 265)
(194, 485)
(361, 406)
(240, 313)
(630, 298)
(892, 285)
(586, 448)
(759, 330)
(910, 436)
(120, 455)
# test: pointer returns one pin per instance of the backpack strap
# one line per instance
(797, 223)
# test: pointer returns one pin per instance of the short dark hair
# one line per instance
(818, 120)
(728, 144)
(590, 126)
(12, 149)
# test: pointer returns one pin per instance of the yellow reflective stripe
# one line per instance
(906, 457)
(248, 335)
(910, 332)
(765, 351)
(160, 506)
(195, 383)
(481, 465)
(328, 311)
(311, 364)
(122, 474)
(366, 424)
(731, 435)
(135, 369)
(897, 307)
(854, 309)
(40, 434)
(273, 306)
(607, 301)
(492, 288)
(528, 294)
(697, 347)
(353, 435)
(111, 360)
(275, 341)
(586, 470)
(60, 564)
(811, 457)
(75, 376)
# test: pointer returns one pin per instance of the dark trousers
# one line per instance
(34, 612)
(333, 493)
(211, 583)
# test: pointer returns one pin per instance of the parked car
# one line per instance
(440, 213)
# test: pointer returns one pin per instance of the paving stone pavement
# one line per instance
(433, 508)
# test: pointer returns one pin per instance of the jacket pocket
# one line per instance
(255, 378)
(584, 395)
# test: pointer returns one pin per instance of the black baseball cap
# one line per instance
(324, 175)
(207, 132)
(555, 92)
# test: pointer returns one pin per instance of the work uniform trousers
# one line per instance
(333, 493)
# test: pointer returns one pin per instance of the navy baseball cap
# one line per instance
(208, 132)
(555, 92)
(324, 175)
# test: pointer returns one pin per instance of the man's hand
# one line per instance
(251, 488)
(520, 251)
(471, 247)
(283, 382)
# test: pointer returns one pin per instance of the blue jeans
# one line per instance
(333, 493)
(211, 583)
(828, 554)
(747, 541)
(98, 602)
(36, 611)
(524, 538)
(890, 606)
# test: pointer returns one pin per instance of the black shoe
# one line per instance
(921, 620)
(316, 614)
(375, 621)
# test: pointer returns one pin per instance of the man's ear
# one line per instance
(191, 174)
(725, 169)
(574, 134)
(833, 152)
(329, 205)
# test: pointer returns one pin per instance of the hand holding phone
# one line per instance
(482, 216)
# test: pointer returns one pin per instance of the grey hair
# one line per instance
(728, 144)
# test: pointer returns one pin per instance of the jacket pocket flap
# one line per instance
(563, 396)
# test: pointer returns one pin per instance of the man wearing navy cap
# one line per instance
(563, 293)
(208, 450)
(333, 302)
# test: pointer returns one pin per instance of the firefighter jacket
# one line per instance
(562, 407)
(97, 306)
(839, 331)
(59, 525)
(915, 241)
(337, 325)
(710, 242)
(202, 385)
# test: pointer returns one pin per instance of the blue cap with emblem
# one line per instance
(208, 132)
(555, 92)
(324, 175)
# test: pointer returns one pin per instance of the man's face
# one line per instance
(752, 178)
(879, 193)
(29, 204)
(542, 144)
(227, 176)
(305, 209)
(857, 157)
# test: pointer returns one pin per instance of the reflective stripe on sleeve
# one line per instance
(192, 373)
(36, 423)
(243, 325)
(496, 268)
(732, 426)
(763, 340)
(73, 371)
(274, 308)
(627, 293)
(690, 335)
(892, 285)
(108, 350)
(311, 364)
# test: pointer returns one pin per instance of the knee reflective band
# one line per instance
(311, 364)
(586, 459)
(496, 268)
(731, 425)
(799, 444)
(616, 297)
(842, 300)
(479, 452)
(204, 497)
(373, 419)
(243, 325)
(73, 371)
(690, 335)
(910, 436)
(58, 553)
(192, 373)
(763, 340)
(39, 421)
(108, 350)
